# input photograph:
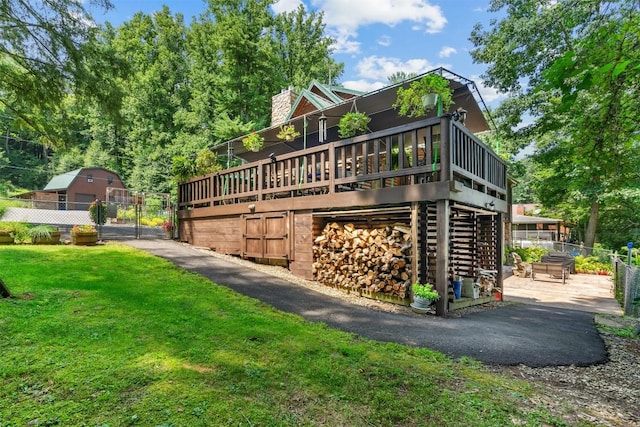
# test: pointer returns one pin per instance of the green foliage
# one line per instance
(410, 101)
(43, 56)
(288, 132)
(226, 128)
(301, 50)
(4, 204)
(576, 81)
(425, 291)
(98, 212)
(400, 76)
(531, 254)
(183, 168)
(19, 230)
(352, 124)
(43, 233)
(135, 97)
(108, 334)
(207, 162)
(592, 265)
(253, 142)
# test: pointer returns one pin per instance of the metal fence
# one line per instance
(627, 286)
(122, 222)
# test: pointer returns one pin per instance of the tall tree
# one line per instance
(157, 88)
(302, 52)
(42, 57)
(577, 79)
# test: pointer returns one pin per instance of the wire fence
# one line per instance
(124, 219)
(627, 286)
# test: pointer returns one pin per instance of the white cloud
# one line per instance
(380, 68)
(343, 41)
(343, 18)
(285, 5)
(355, 13)
(447, 51)
(364, 85)
(384, 40)
(489, 94)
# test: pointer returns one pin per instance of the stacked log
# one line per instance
(374, 260)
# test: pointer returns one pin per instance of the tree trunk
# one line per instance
(590, 233)
(4, 291)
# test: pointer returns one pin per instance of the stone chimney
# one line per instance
(281, 105)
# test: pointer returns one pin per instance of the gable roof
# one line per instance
(319, 97)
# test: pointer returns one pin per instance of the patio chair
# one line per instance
(521, 268)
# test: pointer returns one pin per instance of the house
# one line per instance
(76, 189)
(412, 199)
(530, 230)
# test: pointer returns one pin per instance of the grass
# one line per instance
(111, 336)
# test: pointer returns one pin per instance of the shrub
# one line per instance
(98, 212)
(591, 265)
(19, 230)
(530, 254)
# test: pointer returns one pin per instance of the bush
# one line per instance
(19, 230)
(591, 265)
(98, 212)
(530, 254)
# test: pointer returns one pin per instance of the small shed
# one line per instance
(75, 190)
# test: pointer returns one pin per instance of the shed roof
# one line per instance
(62, 181)
(526, 219)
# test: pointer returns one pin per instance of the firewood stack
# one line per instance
(364, 259)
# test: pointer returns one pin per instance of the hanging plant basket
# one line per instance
(253, 142)
(288, 133)
(430, 100)
(352, 124)
(423, 96)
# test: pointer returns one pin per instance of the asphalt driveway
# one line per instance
(532, 335)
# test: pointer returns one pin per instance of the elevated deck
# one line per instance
(433, 176)
(428, 160)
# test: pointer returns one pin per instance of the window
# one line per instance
(89, 177)
(110, 180)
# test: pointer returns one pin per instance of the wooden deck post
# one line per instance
(442, 257)
(445, 149)
(415, 252)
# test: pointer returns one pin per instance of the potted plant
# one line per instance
(44, 235)
(168, 227)
(6, 235)
(351, 124)
(423, 95)
(84, 235)
(424, 295)
(253, 142)
(288, 133)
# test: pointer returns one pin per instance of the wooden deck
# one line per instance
(399, 157)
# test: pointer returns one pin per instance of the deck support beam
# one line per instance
(442, 256)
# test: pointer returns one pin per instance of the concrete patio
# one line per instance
(584, 292)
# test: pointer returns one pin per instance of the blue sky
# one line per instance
(375, 38)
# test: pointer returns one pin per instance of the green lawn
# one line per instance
(111, 336)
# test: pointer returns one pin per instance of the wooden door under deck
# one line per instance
(266, 236)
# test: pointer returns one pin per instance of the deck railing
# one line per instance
(403, 155)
